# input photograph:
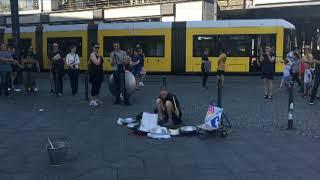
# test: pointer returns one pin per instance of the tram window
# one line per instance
(237, 45)
(25, 43)
(289, 41)
(153, 46)
(202, 42)
(65, 43)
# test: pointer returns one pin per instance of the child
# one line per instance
(137, 66)
(307, 78)
(286, 73)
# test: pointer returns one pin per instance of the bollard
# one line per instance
(219, 93)
(290, 107)
(86, 86)
(164, 81)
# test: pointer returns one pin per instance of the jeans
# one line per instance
(57, 74)
(74, 78)
(119, 80)
(204, 78)
(315, 87)
(4, 83)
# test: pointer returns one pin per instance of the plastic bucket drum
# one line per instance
(57, 154)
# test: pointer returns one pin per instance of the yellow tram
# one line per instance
(241, 39)
(27, 35)
(171, 47)
(65, 36)
(153, 37)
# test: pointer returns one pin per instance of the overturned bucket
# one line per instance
(57, 153)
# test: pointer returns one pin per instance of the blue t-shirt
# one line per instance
(137, 68)
(4, 67)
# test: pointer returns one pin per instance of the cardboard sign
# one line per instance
(213, 117)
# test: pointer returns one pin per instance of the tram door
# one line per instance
(258, 44)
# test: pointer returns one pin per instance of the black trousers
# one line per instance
(119, 80)
(4, 83)
(96, 79)
(74, 78)
(295, 78)
(57, 74)
(204, 78)
(315, 87)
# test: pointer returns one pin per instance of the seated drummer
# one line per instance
(168, 109)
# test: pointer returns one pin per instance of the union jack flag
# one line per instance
(210, 109)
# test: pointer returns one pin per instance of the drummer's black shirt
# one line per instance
(170, 98)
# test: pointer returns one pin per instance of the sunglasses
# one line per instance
(96, 47)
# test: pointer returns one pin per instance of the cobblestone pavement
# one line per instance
(259, 147)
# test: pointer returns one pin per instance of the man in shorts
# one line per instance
(168, 109)
(221, 65)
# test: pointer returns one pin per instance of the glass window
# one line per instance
(202, 42)
(289, 41)
(25, 43)
(237, 45)
(65, 43)
(153, 46)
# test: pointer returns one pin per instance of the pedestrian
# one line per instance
(96, 74)
(168, 109)
(143, 71)
(266, 62)
(222, 59)
(308, 76)
(137, 66)
(73, 62)
(128, 65)
(294, 57)
(30, 63)
(15, 69)
(205, 68)
(57, 68)
(5, 69)
(286, 78)
(118, 60)
(316, 84)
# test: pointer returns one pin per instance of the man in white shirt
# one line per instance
(118, 60)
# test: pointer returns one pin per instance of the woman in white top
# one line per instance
(73, 61)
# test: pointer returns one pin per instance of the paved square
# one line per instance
(257, 148)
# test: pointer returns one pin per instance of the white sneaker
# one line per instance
(121, 97)
(9, 89)
(93, 103)
(36, 89)
(17, 90)
(141, 84)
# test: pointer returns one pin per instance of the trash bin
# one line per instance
(57, 154)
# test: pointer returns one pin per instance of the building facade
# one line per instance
(88, 11)
(304, 14)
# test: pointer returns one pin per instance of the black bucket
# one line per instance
(57, 154)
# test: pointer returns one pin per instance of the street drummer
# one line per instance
(168, 109)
